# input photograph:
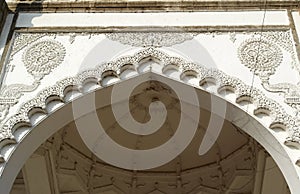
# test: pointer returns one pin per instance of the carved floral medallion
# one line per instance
(260, 56)
(42, 57)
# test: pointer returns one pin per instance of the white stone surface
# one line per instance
(152, 19)
(209, 50)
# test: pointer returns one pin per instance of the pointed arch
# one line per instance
(21, 134)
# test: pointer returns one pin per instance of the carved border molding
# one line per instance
(54, 6)
(243, 92)
(151, 39)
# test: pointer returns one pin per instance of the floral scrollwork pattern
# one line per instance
(151, 39)
(39, 59)
(261, 102)
(260, 56)
(42, 57)
(263, 55)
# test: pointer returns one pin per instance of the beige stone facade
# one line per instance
(150, 97)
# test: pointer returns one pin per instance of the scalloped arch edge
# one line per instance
(242, 91)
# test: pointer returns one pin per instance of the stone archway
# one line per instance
(28, 139)
(69, 166)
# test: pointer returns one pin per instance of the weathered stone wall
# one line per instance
(3, 13)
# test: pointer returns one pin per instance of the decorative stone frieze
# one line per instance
(284, 40)
(9, 95)
(243, 92)
(22, 40)
(39, 59)
(263, 55)
(151, 39)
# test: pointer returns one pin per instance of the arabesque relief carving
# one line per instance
(262, 103)
(40, 59)
(260, 56)
(151, 39)
(263, 55)
(43, 56)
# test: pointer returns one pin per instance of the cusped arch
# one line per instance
(18, 145)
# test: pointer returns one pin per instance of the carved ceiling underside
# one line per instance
(228, 168)
(79, 171)
(39, 64)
